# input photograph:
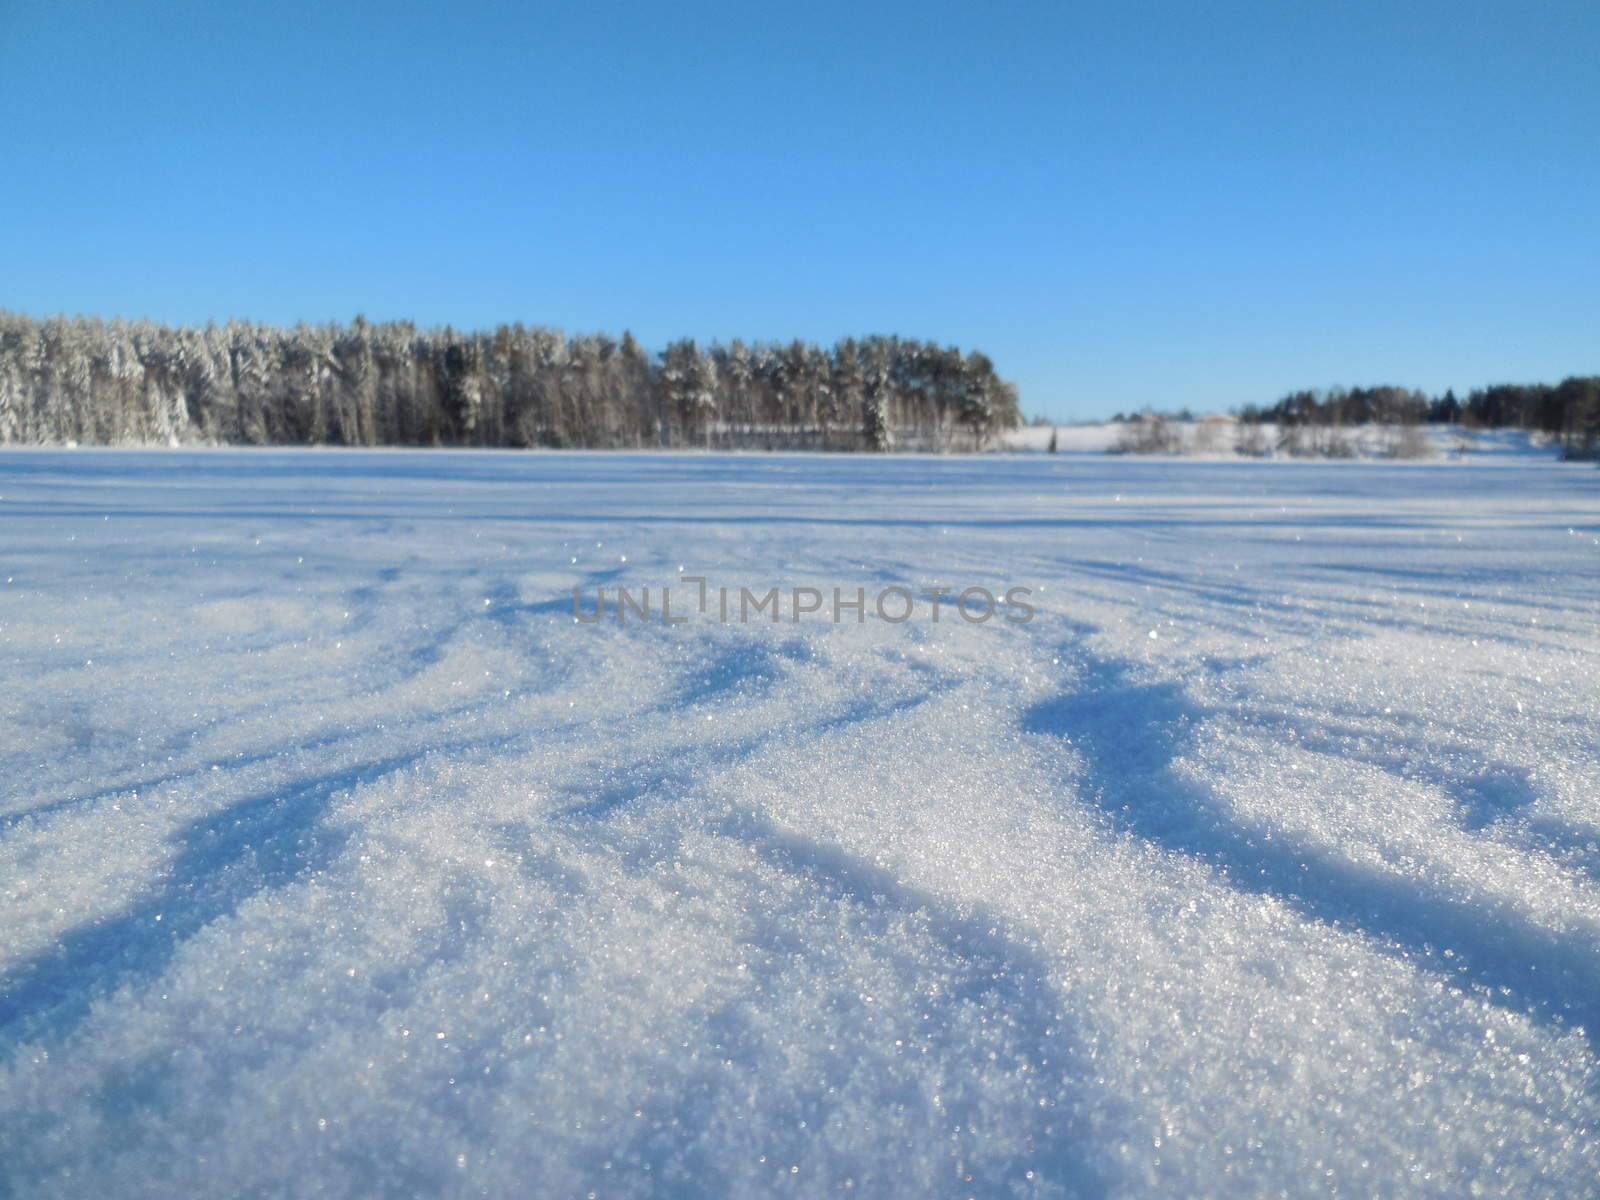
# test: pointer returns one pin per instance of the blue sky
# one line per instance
(1122, 203)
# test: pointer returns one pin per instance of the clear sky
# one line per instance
(1123, 203)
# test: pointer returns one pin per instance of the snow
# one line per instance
(1214, 438)
(337, 859)
(1081, 438)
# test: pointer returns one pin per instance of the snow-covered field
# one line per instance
(337, 859)
(1216, 439)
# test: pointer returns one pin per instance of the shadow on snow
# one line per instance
(1129, 734)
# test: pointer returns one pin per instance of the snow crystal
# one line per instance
(336, 858)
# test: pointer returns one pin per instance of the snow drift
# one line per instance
(337, 859)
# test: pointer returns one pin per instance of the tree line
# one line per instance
(83, 380)
(1568, 411)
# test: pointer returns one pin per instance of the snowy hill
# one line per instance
(1217, 438)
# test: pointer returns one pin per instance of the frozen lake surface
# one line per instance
(337, 859)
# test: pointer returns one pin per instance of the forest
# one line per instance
(1320, 423)
(1568, 411)
(94, 382)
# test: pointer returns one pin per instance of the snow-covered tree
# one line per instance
(389, 383)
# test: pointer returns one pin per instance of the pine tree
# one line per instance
(390, 383)
(977, 397)
(703, 394)
(875, 430)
